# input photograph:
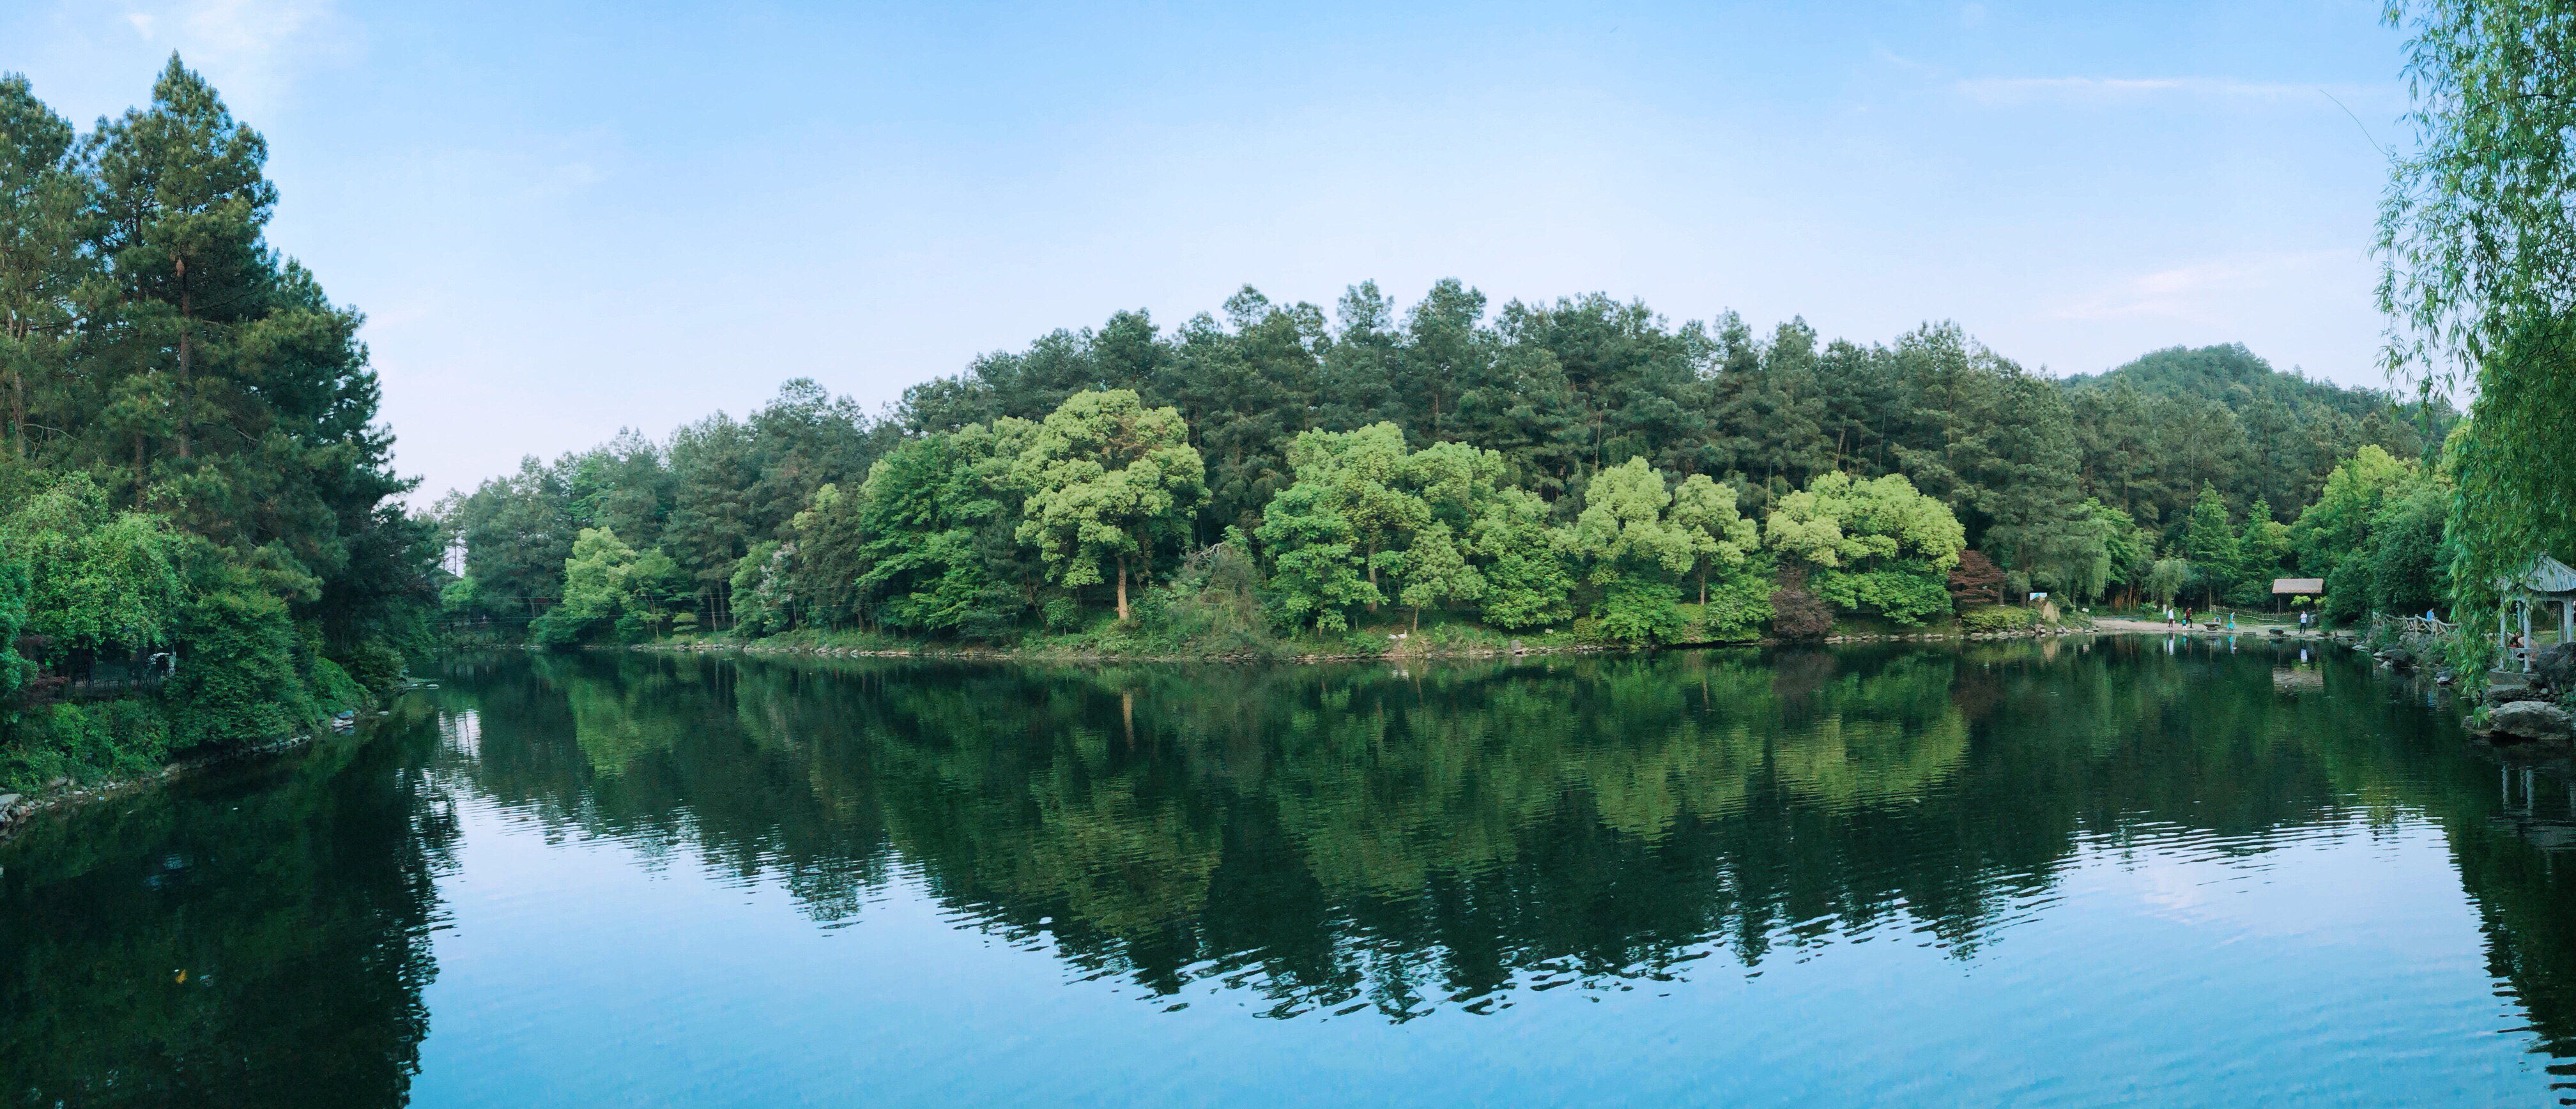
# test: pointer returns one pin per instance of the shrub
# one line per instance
(85, 743)
(239, 680)
(1640, 612)
(334, 688)
(1904, 593)
(1997, 618)
(376, 666)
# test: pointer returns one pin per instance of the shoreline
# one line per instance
(2105, 626)
(22, 811)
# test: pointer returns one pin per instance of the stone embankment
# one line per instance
(17, 810)
(2526, 708)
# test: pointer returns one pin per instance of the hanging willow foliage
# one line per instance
(2478, 245)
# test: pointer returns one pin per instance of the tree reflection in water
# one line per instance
(1441, 833)
(1339, 838)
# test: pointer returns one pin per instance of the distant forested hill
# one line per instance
(2240, 379)
(2154, 430)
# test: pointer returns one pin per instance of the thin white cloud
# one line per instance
(2033, 90)
(2208, 289)
(254, 49)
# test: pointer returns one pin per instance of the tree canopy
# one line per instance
(1525, 466)
(193, 468)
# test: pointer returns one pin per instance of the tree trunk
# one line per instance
(18, 391)
(1417, 621)
(1122, 589)
(1370, 564)
(186, 407)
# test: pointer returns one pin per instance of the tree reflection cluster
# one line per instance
(1317, 839)
(1330, 835)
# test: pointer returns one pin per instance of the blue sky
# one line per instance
(563, 220)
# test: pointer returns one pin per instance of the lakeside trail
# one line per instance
(2107, 624)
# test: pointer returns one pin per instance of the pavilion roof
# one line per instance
(2546, 576)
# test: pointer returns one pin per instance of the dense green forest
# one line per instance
(200, 542)
(1586, 466)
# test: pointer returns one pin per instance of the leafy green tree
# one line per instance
(1314, 577)
(2338, 537)
(1634, 552)
(93, 577)
(761, 589)
(2127, 551)
(607, 581)
(928, 542)
(1623, 529)
(1108, 480)
(2410, 571)
(1528, 582)
(1720, 537)
(1436, 573)
(1875, 545)
(1454, 481)
(2168, 578)
(1364, 474)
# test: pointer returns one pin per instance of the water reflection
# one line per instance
(1358, 840)
(1406, 839)
(259, 938)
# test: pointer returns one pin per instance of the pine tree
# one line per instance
(2209, 541)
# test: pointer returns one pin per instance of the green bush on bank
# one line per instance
(1993, 619)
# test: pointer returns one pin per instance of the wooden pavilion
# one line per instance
(2546, 580)
(2297, 587)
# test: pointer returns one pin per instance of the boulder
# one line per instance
(2503, 693)
(2555, 666)
(2398, 657)
(2533, 720)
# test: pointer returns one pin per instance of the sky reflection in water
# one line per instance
(2049, 874)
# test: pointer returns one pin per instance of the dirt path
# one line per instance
(2109, 624)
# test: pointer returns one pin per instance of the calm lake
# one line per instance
(2077, 872)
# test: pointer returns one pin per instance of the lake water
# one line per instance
(2170, 872)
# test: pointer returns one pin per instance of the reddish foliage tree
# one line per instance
(1976, 578)
(1796, 613)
